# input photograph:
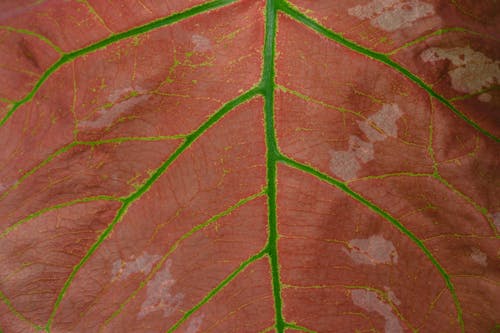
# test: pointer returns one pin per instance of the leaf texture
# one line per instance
(249, 166)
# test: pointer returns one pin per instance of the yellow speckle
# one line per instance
(131, 94)
(136, 40)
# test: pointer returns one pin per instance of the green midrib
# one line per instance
(272, 154)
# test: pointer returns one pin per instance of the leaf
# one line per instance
(249, 166)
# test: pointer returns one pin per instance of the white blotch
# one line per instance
(392, 297)
(195, 323)
(159, 295)
(116, 94)
(143, 264)
(479, 256)
(363, 150)
(391, 15)
(496, 220)
(201, 44)
(484, 97)
(372, 250)
(473, 72)
(106, 116)
(384, 120)
(346, 164)
(369, 301)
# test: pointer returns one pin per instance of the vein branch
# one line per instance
(69, 57)
(55, 207)
(380, 57)
(126, 202)
(367, 203)
(176, 244)
(221, 285)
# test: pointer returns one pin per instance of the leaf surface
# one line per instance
(249, 166)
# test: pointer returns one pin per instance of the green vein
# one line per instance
(73, 144)
(380, 57)
(131, 138)
(299, 328)
(36, 168)
(267, 329)
(268, 86)
(494, 87)
(34, 34)
(6, 100)
(55, 207)
(480, 209)
(19, 315)
(317, 101)
(68, 57)
(190, 139)
(176, 244)
(214, 291)
(392, 174)
(358, 197)
(438, 32)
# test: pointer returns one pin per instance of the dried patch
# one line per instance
(143, 264)
(114, 109)
(479, 257)
(473, 70)
(496, 220)
(485, 98)
(392, 297)
(372, 250)
(195, 324)
(344, 164)
(159, 294)
(377, 127)
(391, 15)
(369, 301)
(201, 44)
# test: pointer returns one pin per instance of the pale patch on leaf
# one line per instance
(143, 264)
(159, 295)
(363, 150)
(384, 120)
(372, 250)
(195, 324)
(114, 109)
(392, 297)
(496, 220)
(479, 257)
(369, 301)
(485, 98)
(201, 44)
(346, 164)
(391, 15)
(474, 71)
